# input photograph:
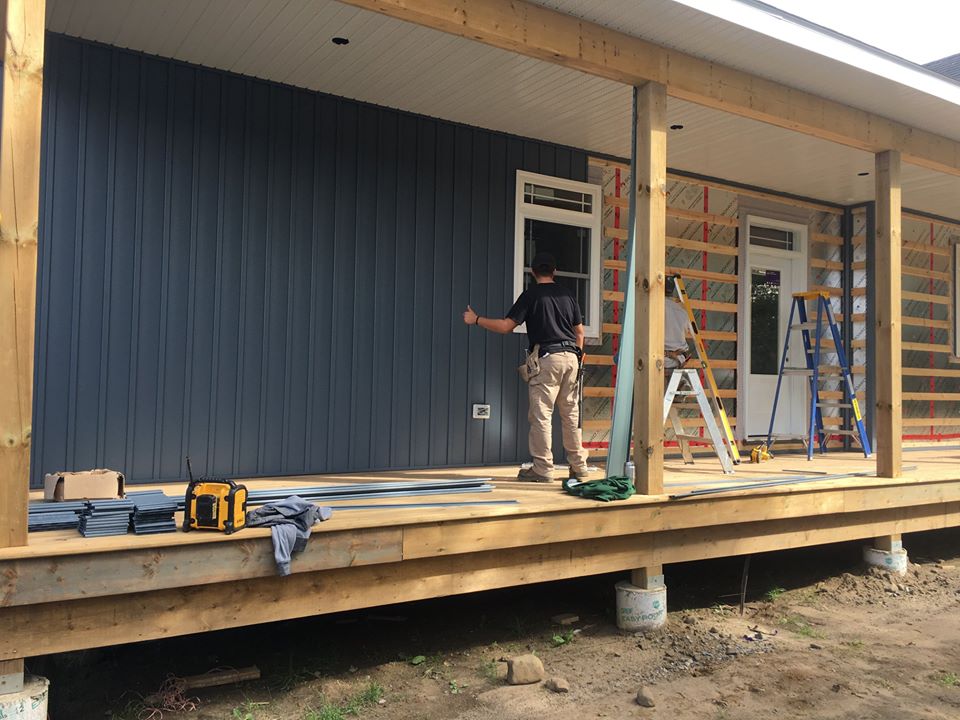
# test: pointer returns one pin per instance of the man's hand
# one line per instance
(469, 316)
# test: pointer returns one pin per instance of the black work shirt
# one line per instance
(550, 312)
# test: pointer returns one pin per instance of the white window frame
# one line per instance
(591, 221)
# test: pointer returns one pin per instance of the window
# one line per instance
(772, 237)
(561, 217)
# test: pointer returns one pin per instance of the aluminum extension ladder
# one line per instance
(731, 442)
(813, 352)
(710, 423)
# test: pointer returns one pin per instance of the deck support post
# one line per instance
(19, 212)
(887, 552)
(650, 179)
(887, 357)
(642, 602)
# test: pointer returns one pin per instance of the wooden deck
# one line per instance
(64, 592)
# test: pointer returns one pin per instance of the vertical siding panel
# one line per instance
(481, 245)
(150, 242)
(499, 268)
(384, 289)
(322, 283)
(232, 241)
(406, 353)
(298, 369)
(273, 381)
(341, 318)
(457, 408)
(59, 272)
(443, 305)
(253, 294)
(208, 270)
(124, 209)
(421, 411)
(362, 323)
(88, 266)
(182, 184)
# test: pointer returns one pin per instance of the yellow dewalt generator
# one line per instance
(214, 504)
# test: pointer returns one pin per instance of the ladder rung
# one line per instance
(840, 431)
(692, 437)
(797, 371)
(812, 325)
(834, 405)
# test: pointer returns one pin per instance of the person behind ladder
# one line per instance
(555, 330)
(676, 327)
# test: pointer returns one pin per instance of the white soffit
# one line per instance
(405, 66)
(768, 43)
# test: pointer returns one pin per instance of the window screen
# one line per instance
(772, 237)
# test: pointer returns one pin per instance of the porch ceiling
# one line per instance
(396, 64)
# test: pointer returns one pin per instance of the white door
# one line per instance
(771, 281)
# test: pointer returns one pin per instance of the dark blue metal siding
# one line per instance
(267, 278)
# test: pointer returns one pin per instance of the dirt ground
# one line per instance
(821, 637)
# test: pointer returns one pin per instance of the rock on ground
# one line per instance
(524, 670)
(558, 685)
(645, 697)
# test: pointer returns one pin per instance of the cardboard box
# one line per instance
(100, 484)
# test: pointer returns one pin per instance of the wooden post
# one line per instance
(887, 360)
(19, 210)
(650, 177)
(888, 543)
(648, 578)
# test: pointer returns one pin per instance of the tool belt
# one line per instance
(680, 356)
(531, 368)
(553, 348)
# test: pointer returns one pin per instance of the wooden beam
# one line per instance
(31, 630)
(888, 361)
(650, 238)
(535, 31)
(19, 211)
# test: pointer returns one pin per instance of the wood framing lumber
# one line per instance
(535, 31)
(888, 361)
(111, 620)
(28, 581)
(650, 178)
(19, 213)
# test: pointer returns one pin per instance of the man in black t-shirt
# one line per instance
(555, 331)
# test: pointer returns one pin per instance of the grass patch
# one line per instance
(799, 626)
(773, 593)
(561, 639)
(948, 679)
(247, 711)
(370, 695)
(488, 669)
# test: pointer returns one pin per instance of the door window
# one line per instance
(764, 321)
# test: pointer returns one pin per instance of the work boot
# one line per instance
(529, 475)
(579, 475)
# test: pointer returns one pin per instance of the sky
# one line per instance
(918, 30)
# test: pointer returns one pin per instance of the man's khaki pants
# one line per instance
(556, 383)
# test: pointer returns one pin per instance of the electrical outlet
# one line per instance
(481, 412)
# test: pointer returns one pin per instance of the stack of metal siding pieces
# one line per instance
(152, 512)
(55, 515)
(106, 517)
(356, 491)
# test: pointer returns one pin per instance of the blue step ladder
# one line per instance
(813, 351)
